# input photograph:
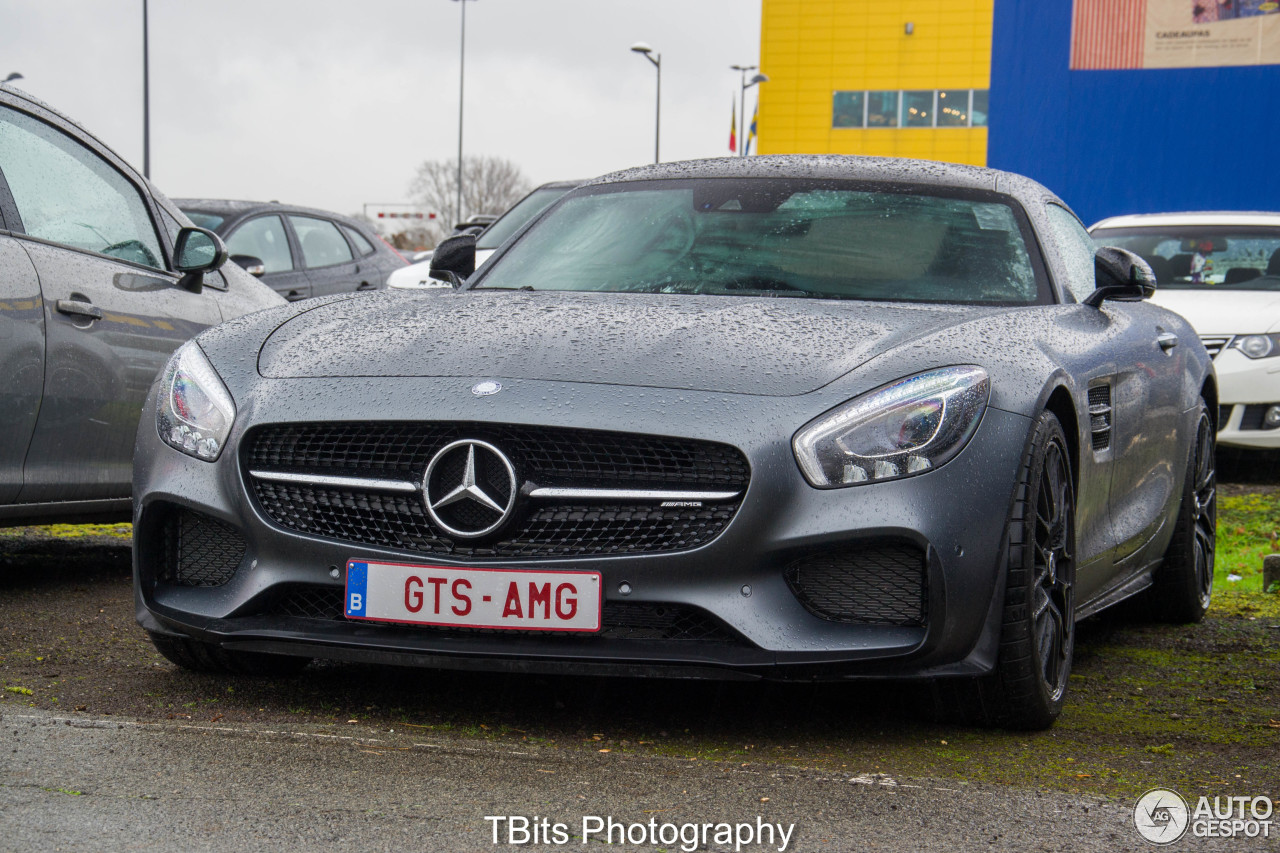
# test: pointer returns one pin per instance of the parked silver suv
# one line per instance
(101, 278)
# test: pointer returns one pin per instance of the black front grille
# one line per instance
(1224, 415)
(199, 550)
(621, 620)
(543, 456)
(873, 583)
(1214, 343)
(549, 456)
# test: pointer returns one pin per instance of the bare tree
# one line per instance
(489, 185)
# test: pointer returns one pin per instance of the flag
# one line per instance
(751, 131)
(732, 126)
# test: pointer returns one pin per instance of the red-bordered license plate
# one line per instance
(473, 598)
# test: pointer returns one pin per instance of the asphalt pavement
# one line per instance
(75, 783)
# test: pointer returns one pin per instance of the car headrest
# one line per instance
(1273, 265)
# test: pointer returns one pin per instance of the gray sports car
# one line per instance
(784, 417)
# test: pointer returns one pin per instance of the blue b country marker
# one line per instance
(357, 582)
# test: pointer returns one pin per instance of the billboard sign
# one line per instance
(1116, 34)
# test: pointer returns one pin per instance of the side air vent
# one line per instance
(1100, 416)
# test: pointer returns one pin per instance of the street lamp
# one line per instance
(146, 98)
(656, 58)
(13, 76)
(742, 107)
(462, 70)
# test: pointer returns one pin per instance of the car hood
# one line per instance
(1219, 311)
(774, 347)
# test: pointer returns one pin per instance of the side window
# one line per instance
(263, 238)
(322, 245)
(1075, 246)
(67, 194)
(363, 246)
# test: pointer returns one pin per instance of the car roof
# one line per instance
(1208, 217)
(892, 170)
(559, 185)
(236, 208)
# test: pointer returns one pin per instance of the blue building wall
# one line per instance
(1141, 141)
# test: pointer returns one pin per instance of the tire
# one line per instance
(1028, 684)
(207, 657)
(1183, 585)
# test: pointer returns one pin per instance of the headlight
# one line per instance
(195, 411)
(900, 429)
(1257, 346)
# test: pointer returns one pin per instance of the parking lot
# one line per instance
(102, 732)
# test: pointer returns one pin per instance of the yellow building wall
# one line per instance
(811, 49)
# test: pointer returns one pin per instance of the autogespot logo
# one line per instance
(1161, 816)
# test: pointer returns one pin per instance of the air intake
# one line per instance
(199, 550)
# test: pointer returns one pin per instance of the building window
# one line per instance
(917, 109)
(953, 108)
(979, 110)
(882, 109)
(848, 109)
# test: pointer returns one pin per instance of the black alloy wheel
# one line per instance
(1053, 614)
(1027, 686)
(1183, 585)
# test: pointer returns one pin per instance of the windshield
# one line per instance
(1227, 257)
(205, 220)
(511, 221)
(776, 237)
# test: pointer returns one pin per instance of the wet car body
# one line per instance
(92, 303)
(732, 579)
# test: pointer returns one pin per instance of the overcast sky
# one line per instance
(334, 104)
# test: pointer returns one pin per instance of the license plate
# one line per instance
(473, 598)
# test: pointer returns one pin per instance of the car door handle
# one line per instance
(1167, 340)
(293, 296)
(364, 285)
(79, 309)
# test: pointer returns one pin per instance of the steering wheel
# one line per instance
(673, 237)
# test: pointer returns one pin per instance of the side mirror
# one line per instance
(1121, 275)
(197, 251)
(454, 259)
(252, 265)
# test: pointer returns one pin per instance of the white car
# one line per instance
(415, 277)
(1222, 272)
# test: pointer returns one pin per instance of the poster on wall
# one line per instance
(1174, 33)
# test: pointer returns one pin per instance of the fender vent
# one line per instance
(1100, 416)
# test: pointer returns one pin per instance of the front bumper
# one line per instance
(954, 516)
(1246, 389)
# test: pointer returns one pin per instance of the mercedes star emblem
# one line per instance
(469, 488)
